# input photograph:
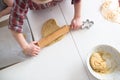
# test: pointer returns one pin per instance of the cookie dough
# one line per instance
(49, 27)
(111, 11)
(98, 63)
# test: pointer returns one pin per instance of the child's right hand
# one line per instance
(32, 49)
(76, 23)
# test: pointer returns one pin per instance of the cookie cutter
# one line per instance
(87, 24)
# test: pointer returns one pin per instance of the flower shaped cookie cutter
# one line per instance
(87, 24)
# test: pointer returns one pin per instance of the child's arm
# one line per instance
(77, 10)
(30, 49)
(76, 21)
(16, 20)
(6, 11)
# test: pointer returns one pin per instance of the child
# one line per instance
(19, 11)
(5, 7)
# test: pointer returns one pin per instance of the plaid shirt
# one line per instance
(20, 9)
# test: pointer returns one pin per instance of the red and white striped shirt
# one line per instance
(20, 9)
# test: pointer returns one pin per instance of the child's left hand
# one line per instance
(76, 23)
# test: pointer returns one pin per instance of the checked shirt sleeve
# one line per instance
(17, 15)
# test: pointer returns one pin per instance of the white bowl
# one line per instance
(114, 60)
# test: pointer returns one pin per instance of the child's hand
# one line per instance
(32, 49)
(76, 23)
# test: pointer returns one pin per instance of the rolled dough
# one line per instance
(49, 27)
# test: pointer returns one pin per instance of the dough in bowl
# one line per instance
(100, 62)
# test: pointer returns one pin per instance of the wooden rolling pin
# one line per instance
(48, 39)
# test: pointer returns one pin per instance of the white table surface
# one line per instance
(66, 59)
(102, 32)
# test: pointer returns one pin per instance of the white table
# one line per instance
(102, 32)
(59, 61)
(66, 59)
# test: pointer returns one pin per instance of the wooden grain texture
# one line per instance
(4, 23)
(48, 39)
